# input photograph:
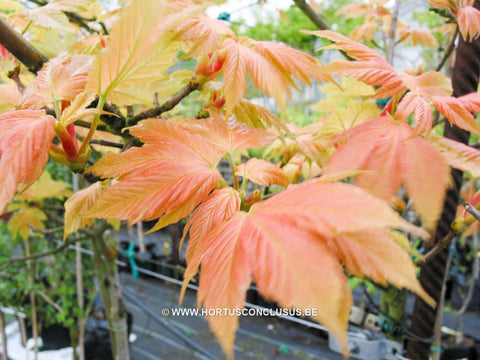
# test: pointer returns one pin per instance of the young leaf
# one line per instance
(469, 22)
(230, 135)
(62, 78)
(262, 172)
(25, 138)
(271, 65)
(468, 17)
(265, 246)
(169, 176)
(139, 51)
(45, 188)
(458, 155)
(80, 202)
(24, 218)
(218, 207)
(52, 15)
(457, 110)
(393, 156)
(370, 68)
(256, 116)
(203, 34)
(78, 109)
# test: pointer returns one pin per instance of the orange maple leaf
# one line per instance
(25, 139)
(79, 203)
(278, 240)
(262, 172)
(370, 67)
(168, 176)
(229, 135)
(271, 65)
(468, 17)
(393, 156)
(431, 88)
(62, 78)
(203, 33)
(458, 155)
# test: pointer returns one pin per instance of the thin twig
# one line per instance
(439, 246)
(312, 15)
(169, 105)
(107, 143)
(15, 76)
(392, 33)
(86, 124)
(40, 255)
(48, 301)
(449, 51)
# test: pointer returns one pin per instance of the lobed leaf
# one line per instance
(457, 111)
(458, 155)
(392, 155)
(319, 223)
(80, 202)
(469, 22)
(262, 172)
(44, 188)
(268, 65)
(169, 176)
(25, 139)
(139, 52)
(24, 219)
(62, 78)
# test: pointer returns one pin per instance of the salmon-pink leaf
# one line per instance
(262, 172)
(62, 78)
(392, 155)
(458, 155)
(265, 246)
(456, 111)
(25, 139)
(169, 176)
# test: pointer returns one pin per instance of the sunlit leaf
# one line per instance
(262, 172)
(44, 188)
(139, 51)
(25, 138)
(265, 246)
(80, 202)
(458, 155)
(392, 156)
(24, 219)
(169, 176)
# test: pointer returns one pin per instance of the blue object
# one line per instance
(130, 254)
(224, 16)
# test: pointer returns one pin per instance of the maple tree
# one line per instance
(321, 193)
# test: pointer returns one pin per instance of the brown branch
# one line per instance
(40, 255)
(107, 143)
(476, 145)
(86, 124)
(312, 15)
(48, 301)
(21, 48)
(167, 106)
(392, 33)
(439, 246)
(449, 50)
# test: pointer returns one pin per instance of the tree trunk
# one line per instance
(465, 80)
(3, 336)
(105, 256)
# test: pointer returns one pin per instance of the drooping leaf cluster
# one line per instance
(295, 241)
